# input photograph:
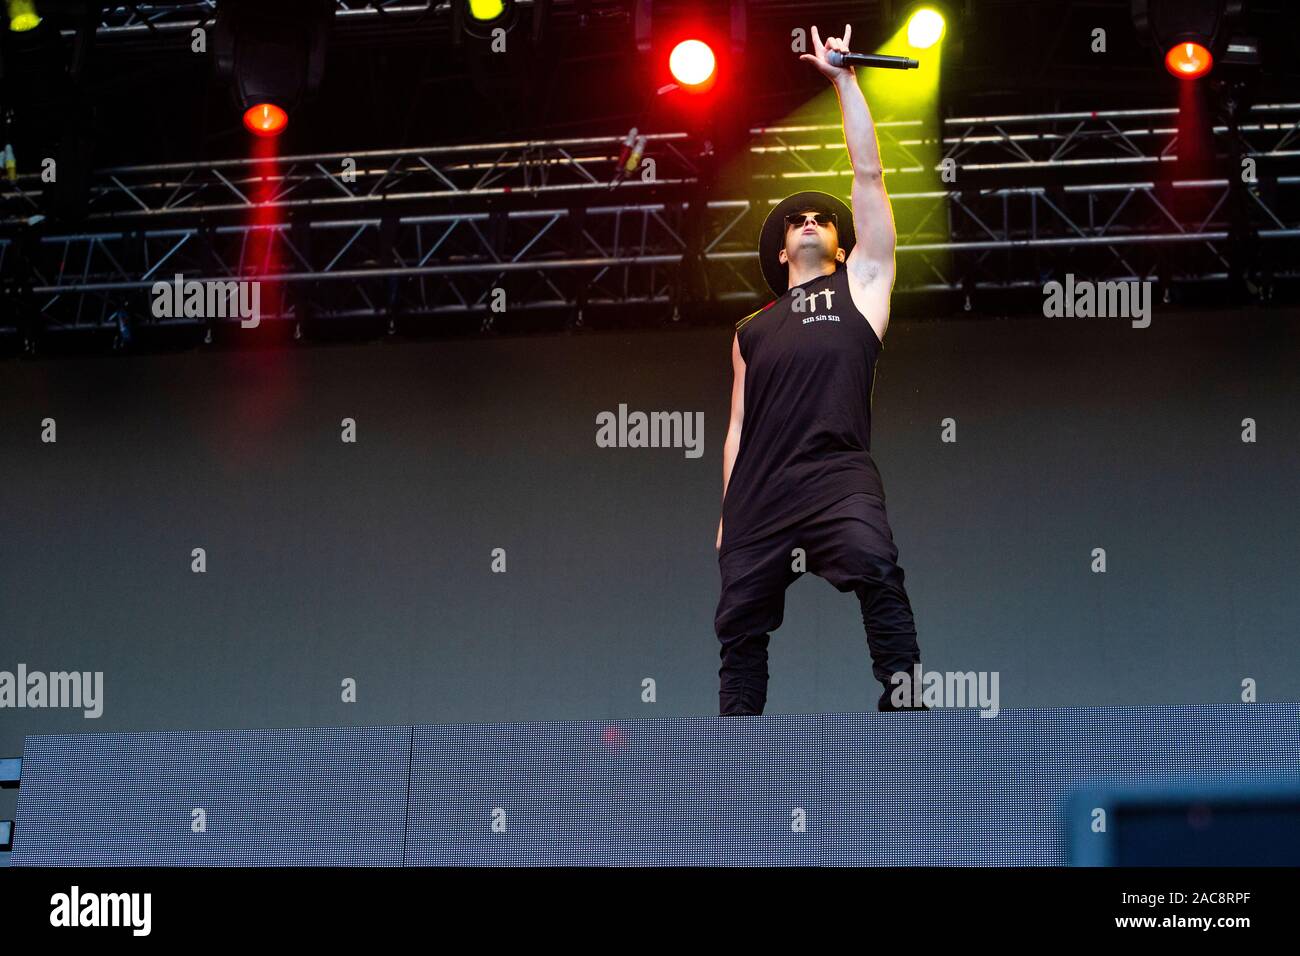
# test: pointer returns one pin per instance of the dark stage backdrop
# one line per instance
(373, 561)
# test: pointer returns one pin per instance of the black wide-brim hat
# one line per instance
(772, 239)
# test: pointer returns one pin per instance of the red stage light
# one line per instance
(1188, 60)
(692, 63)
(265, 119)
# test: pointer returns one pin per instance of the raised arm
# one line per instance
(871, 263)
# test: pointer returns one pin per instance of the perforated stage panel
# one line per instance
(694, 790)
(947, 787)
(269, 797)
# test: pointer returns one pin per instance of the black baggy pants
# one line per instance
(851, 546)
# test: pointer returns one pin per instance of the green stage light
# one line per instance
(924, 28)
(486, 10)
(23, 16)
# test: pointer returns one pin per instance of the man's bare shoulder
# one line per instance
(747, 319)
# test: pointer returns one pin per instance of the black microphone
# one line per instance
(836, 58)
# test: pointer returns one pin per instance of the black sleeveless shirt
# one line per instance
(805, 440)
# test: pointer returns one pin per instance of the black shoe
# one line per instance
(887, 706)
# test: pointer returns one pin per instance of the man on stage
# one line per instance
(800, 489)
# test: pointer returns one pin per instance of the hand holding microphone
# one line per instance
(835, 61)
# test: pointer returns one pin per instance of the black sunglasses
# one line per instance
(821, 218)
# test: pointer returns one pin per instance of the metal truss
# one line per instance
(153, 20)
(126, 19)
(1105, 142)
(323, 183)
(446, 262)
(1134, 139)
(635, 253)
(1018, 237)
(120, 20)
(430, 232)
(1102, 144)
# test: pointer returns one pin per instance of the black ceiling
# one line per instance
(398, 80)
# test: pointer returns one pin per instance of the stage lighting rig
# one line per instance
(482, 19)
(22, 15)
(692, 63)
(483, 16)
(925, 28)
(273, 54)
(1190, 36)
(691, 49)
